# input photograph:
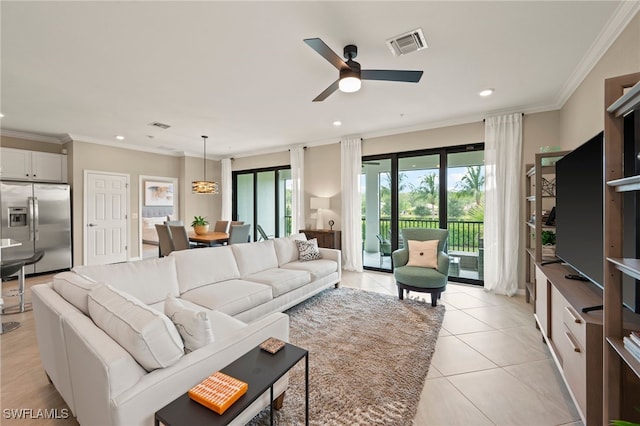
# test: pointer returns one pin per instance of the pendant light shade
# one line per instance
(204, 186)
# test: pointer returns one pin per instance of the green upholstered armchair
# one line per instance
(416, 278)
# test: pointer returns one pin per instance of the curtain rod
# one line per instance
(484, 119)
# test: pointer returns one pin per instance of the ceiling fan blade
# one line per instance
(325, 51)
(329, 90)
(391, 75)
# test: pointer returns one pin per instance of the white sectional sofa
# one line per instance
(82, 332)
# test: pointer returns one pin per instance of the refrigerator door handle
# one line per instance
(36, 232)
(31, 223)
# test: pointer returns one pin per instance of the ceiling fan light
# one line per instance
(349, 84)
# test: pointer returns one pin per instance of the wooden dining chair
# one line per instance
(165, 242)
(180, 238)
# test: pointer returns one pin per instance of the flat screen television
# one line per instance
(579, 199)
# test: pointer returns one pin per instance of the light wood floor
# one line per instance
(490, 366)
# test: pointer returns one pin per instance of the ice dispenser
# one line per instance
(17, 216)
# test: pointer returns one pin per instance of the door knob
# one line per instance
(92, 224)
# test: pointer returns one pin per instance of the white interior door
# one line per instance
(106, 217)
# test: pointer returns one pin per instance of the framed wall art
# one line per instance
(158, 193)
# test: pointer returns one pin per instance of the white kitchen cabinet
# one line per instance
(21, 164)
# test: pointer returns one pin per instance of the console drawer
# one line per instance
(574, 366)
(575, 324)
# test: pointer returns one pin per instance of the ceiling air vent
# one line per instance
(160, 125)
(407, 42)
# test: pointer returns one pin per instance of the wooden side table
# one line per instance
(327, 238)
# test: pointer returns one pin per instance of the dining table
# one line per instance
(210, 238)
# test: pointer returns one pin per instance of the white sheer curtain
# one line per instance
(226, 188)
(351, 156)
(503, 158)
(297, 188)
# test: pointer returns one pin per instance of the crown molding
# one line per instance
(623, 14)
(30, 136)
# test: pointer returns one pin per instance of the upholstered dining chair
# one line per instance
(165, 242)
(408, 271)
(180, 238)
(221, 226)
(174, 223)
(239, 233)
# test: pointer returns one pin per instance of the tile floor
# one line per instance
(490, 366)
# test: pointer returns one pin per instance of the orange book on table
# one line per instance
(218, 392)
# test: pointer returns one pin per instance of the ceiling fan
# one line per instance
(350, 72)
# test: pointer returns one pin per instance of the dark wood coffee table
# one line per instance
(259, 369)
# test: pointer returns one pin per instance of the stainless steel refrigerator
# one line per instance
(39, 216)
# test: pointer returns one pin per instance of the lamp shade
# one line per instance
(319, 203)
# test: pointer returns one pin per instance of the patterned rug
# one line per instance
(368, 357)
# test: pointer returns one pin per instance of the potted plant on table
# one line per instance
(200, 225)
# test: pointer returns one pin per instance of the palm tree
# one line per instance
(428, 190)
(472, 183)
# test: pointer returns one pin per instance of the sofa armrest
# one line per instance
(158, 388)
(332, 254)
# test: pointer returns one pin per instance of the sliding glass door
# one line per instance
(440, 188)
(263, 197)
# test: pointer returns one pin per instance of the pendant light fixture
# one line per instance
(204, 186)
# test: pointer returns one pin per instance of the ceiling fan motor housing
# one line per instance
(350, 51)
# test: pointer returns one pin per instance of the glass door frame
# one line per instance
(443, 193)
(255, 172)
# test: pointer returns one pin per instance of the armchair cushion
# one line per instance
(423, 253)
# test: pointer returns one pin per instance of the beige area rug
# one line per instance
(368, 357)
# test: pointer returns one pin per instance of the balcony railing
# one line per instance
(464, 235)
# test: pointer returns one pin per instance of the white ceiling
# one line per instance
(240, 73)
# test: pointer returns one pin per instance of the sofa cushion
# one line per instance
(281, 280)
(230, 297)
(287, 249)
(255, 257)
(149, 280)
(74, 288)
(193, 325)
(318, 268)
(308, 250)
(204, 266)
(148, 335)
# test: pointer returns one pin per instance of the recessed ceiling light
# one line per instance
(1, 115)
(486, 92)
(337, 123)
(120, 137)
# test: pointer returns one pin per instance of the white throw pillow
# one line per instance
(148, 335)
(423, 253)
(74, 288)
(308, 250)
(194, 326)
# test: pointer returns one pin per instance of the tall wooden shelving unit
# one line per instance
(536, 202)
(618, 399)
